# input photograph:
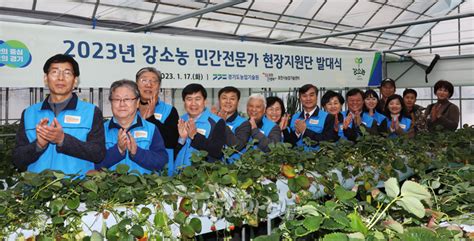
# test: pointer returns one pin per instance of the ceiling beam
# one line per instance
(428, 47)
(178, 18)
(394, 25)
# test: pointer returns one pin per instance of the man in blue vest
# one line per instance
(312, 122)
(263, 129)
(162, 115)
(354, 118)
(238, 128)
(62, 132)
(199, 129)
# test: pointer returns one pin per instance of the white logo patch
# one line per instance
(313, 122)
(201, 131)
(72, 119)
(231, 127)
(140, 134)
(403, 126)
(158, 116)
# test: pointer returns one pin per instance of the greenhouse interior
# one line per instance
(237, 120)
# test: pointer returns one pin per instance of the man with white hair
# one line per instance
(263, 129)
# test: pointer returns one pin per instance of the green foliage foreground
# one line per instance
(441, 189)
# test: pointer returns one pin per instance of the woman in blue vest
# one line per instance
(129, 138)
(264, 130)
(162, 115)
(398, 122)
(371, 106)
(276, 112)
(332, 103)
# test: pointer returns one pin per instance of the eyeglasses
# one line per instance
(66, 73)
(127, 101)
(148, 81)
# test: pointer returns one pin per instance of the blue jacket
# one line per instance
(151, 154)
(267, 132)
(404, 122)
(233, 124)
(319, 127)
(210, 137)
(377, 117)
(352, 134)
(162, 112)
(77, 121)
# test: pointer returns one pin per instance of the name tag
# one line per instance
(262, 132)
(140, 134)
(313, 122)
(158, 116)
(72, 119)
(403, 126)
(364, 123)
(230, 127)
(201, 131)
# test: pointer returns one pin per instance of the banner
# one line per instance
(106, 56)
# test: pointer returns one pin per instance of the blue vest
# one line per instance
(367, 121)
(204, 127)
(405, 124)
(162, 111)
(75, 122)
(314, 123)
(141, 130)
(267, 126)
(233, 125)
(377, 117)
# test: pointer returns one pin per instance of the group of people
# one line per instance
(67, 134)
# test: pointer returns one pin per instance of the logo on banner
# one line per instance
(14, 53)
(359, 72)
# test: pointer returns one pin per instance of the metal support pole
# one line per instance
(6, 106)
(101, 99)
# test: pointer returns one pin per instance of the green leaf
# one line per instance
(195, 223)
(226, 180)
(96, 236)
(412, 205)
(55, 206)
(312, 223)
(392, 224)
(391, 187)
(343, 194)
(223, 171)
(137, 231)
(122, 169)
(356, 236)
(413, 189)
(160, 219)
(356, 223)
(58, 175)
(112, 232)
(271, 237)
(129, 179)
(303, 181)
(91, 186)
(335, 237)
(180, 217)
(57, 220)
(187, 231)
(293, 186)
(146, 212)
(331, 224)
(73, 204)
(340, 217)
(301, 231)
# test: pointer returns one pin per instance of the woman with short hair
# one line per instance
(442, 115)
